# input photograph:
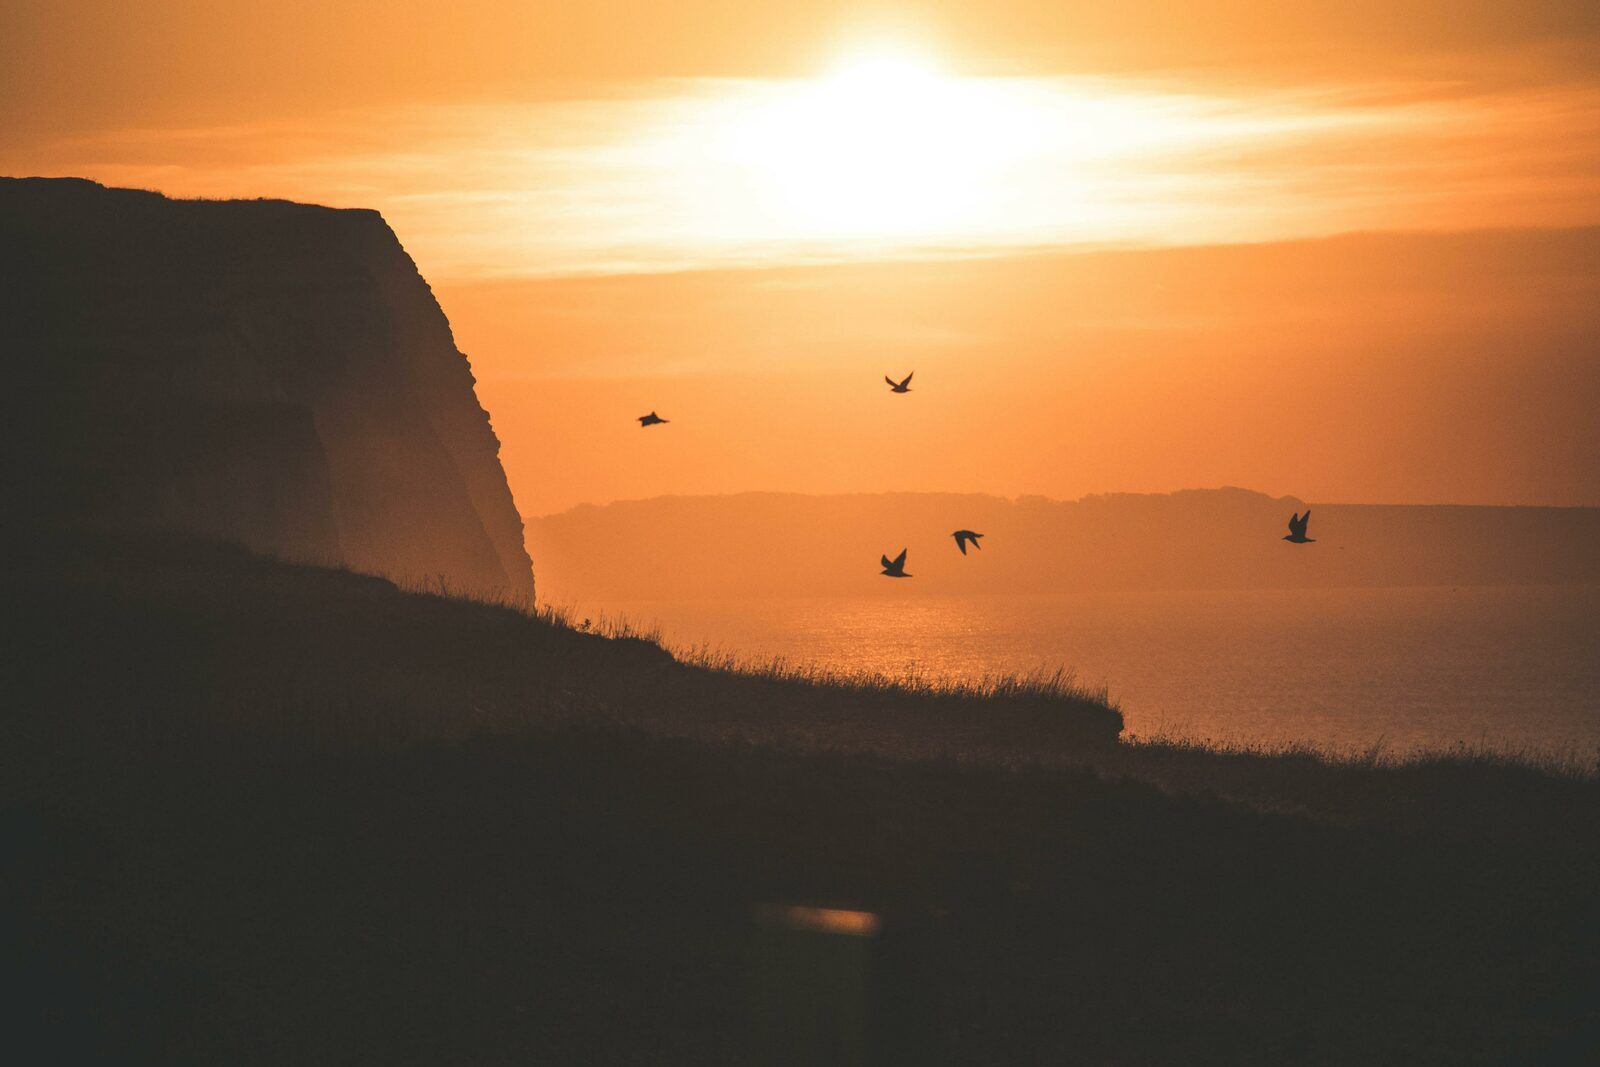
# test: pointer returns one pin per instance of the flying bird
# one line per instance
(652, 419)
(900, 387)
(896, 568)
(963, 536)
(1297, 529)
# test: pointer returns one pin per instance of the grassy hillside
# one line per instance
(263, 814)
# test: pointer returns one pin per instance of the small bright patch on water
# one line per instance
(821, 920)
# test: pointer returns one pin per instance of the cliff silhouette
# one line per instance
(271, 374)
(788, 544)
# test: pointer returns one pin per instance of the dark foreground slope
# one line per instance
(274, 374)
(265, 814)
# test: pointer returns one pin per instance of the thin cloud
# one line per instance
(672, 178)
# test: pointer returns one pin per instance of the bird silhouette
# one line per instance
(1297, 529)
(963, 536)
(900, 387)
(896, 568)
(652, 419)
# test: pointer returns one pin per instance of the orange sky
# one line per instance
(744, 215)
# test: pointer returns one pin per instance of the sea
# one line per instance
(1401, 671)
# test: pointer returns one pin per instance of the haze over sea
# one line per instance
(1507, 667)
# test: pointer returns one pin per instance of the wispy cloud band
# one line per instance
(701, 173)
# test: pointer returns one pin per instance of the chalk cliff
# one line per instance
(269, 373)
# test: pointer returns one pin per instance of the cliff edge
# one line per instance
(269, 373)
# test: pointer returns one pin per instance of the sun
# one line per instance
(884, 143)
(890, 152)
(882, 73)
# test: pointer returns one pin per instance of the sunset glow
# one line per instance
(883, 145)
(888, 154)
(810, 532)
(708, 211)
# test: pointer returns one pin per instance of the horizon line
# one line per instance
(1020, 497)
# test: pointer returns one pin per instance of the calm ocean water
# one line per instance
(1417, 668)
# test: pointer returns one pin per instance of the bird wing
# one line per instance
(900, 560)
(961, 540)
(910, 376)
(890, 380)
(1294, 523)
(886, 563)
